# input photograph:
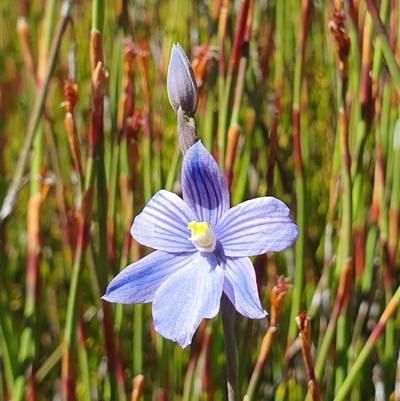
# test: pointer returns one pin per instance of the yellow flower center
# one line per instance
(202, 236)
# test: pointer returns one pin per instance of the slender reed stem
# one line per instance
(28, 346)
(382, 37)
(35, 117)
(368, 347)
(299, 172)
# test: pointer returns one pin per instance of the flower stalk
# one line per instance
(228, 320)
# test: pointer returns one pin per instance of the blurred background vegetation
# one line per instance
(298, 99)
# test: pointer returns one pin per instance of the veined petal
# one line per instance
(187, 297)
(162, 224)
(138, 282)
(241, 288)
(203, 185)
(255, 227)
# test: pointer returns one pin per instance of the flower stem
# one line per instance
(227, 313)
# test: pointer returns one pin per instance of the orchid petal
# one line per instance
(255, 227)
(241, 288)
(138, 282)
(203, 185)
(187, 297)
(162, 224)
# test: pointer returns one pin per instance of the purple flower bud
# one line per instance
(181, 83)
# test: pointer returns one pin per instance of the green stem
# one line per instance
(36, 115)
(299, 274)
(228, 314)
(382, 39)
(342, 393)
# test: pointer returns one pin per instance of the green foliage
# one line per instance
(55, 330)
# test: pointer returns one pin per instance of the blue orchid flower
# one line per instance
(202, 249)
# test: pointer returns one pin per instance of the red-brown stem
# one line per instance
(231, 146)
(31, 384)
(69, 123)
(137, 388)
(343, 291)
(143, 72)
(278, 293)
(380, 327)
(373, 10)
(366, 100)
(67, 218)
(207, 372)
(223, 17)
(260, 268)
(32, 275)
(239, 36)
(359, 250)
(393, 240)
(22, 31)
(296, 140)
(393, 25)
(304, 325)
(68, 374)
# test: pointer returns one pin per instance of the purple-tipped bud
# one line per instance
(181, 83)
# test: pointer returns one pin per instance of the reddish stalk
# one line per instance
(277, 295)
(231, 146)
(207, 372)
(303, 322)
(137, 388)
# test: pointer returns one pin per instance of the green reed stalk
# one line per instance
(95, 165)
(372, 236)
(278, 85)
(241, 180)
(146, 157)
(28, 346)
(35, 117)
(384, 131)
(388, 221)
(102, 262)
(299, 274)
(360, 122)
(345, 243)
(169, 183)
(346, 236)
(209, 119)
(382, 39)
(368, 347)
(394, 211)
(8, 346)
